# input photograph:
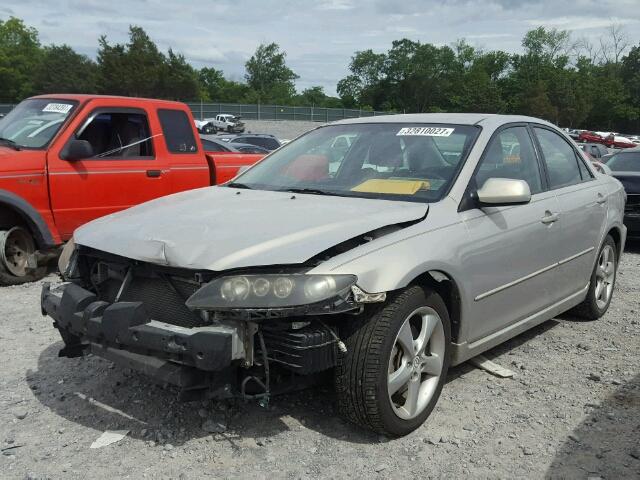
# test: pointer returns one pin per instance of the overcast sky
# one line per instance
(319, 36)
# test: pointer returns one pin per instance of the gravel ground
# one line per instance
(571, 411)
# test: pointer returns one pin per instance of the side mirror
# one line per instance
(504, 191)
(77, 150)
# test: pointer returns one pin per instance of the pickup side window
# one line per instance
(118, 134)
(177, 130)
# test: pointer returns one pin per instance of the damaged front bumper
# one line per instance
(85, 322)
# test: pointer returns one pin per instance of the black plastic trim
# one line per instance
(34, 220)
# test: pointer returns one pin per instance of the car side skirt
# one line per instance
(464, 351)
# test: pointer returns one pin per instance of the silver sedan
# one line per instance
(378, 251)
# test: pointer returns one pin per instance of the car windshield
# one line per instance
(625, 162)
(34, 122)
(415, 162)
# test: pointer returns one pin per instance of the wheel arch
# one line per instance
(616, 234)
(13, 207)
(445, 285)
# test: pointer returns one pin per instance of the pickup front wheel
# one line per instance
(18, 262)
(391, 376)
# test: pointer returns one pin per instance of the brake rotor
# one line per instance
(17, 251)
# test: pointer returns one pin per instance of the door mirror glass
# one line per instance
(504, 191)
(78, 150)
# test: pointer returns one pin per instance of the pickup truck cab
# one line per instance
(68, 159)
(227, 122)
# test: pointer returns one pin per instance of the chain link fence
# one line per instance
(264, 112)
(277, 112)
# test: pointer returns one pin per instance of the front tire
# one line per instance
(391, 376)
(602, 283)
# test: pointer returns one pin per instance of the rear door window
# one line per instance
(177, 130)
(560, 159)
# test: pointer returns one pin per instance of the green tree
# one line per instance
(179, 80)
(269, 76)
(19, 55)
(133, 69)
(62, 70)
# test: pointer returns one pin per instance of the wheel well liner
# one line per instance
(617, 238)
(446, 287)
(14, 207)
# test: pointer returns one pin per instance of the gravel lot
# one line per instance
(571, 411)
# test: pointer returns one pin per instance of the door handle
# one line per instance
(154, 173)
(601, 199)
(549, 217)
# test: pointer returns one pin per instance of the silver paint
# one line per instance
(513, 266)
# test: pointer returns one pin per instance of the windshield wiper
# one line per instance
(312, 191)
(238, 185)
(10, 143)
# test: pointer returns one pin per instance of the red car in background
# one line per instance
(590, 137)
(616, 141)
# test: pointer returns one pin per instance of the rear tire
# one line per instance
(390, 382)
(602, 283)
(16, 246)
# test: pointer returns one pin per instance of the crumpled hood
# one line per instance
(219, 228)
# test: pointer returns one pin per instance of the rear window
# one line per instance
(177, 130)
(265, 142)
(625, 162)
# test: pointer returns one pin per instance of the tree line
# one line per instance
(139, 68)
(573, 83)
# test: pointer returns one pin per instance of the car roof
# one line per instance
(85, 97)
(483, 119)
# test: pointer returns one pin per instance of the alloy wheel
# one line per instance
(605, 276)
(416, 363)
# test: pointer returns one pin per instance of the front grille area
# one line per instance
(162, 295)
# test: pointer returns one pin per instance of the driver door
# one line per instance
(511, 250)
(123, 171)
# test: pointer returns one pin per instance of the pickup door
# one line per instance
(140, 152)
(127, 166)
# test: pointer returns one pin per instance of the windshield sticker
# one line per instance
(57, 108)
(425, 131)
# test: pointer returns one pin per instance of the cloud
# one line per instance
(319, 36)
(581, 22)
(336, 5)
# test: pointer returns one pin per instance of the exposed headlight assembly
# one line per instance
(272, 291)
(67, 262)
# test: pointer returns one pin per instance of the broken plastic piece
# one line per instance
(360, 296)
(487, 365)
(109, 437)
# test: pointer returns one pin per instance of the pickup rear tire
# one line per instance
(16, 248)
(396, 363)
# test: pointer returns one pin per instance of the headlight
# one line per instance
(270, 291)
(67, 259)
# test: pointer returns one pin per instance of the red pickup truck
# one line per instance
(67, 159)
